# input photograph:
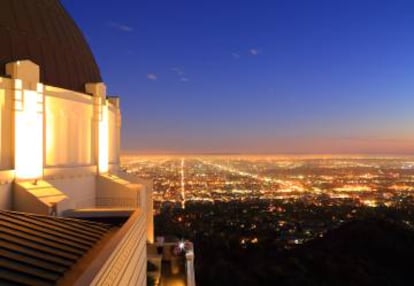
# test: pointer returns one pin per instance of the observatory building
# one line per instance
(59, 160)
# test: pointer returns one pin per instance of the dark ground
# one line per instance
(362, 252)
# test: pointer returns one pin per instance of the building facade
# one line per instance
(60, 136)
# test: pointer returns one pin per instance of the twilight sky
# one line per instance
(267, 76)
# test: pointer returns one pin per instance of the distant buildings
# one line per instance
(59, 156)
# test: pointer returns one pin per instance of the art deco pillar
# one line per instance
(28, 119)
(98, 91)
(114, 100)
(189, 257)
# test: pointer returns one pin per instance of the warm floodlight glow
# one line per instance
(103, 140)
(28, 134)
(50, 133)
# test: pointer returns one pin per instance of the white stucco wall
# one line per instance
(25, 201)
(6, 196)
(113, 191)
(69, 128)
(127, 264)
(69, 136)
(112, 132)
(6, 148)
(81, 191)
(6, 131)
(146, 201)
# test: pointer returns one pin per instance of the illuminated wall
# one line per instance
(27, 120)
(127, 264)
(6, 129)
(81, 191)
(69, 142)
(103, 145)
(146, 201)
(69, 128)
(113, 132)
(53, 127)
(28, 130)
(101, 117)
(6, 144)
(55, 134)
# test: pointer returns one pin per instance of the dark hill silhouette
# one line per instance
(365, 252)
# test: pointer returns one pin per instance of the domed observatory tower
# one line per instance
(60, 132)
(60, 139)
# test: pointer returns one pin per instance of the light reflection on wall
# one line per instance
(50, 133)
(68, 129)
(2, 99)
(28, 133)
(103, 138)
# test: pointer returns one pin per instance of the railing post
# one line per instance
(189, 257)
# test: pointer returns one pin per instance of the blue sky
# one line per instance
(278, 76)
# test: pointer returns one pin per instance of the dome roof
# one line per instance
(43, 32)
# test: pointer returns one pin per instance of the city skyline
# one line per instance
(268, 77)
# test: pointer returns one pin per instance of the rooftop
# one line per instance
(40, 250)
(43, 32)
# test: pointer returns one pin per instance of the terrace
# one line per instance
(171, 263)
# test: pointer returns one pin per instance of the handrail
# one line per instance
(109, 265)
(117, 202)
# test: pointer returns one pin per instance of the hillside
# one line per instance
(365, 252)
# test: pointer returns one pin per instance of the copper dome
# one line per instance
(43, 32)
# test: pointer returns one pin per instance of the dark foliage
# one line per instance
(364, 252)
(150, 281)
(151, 267)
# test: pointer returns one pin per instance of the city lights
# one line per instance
(299, 198)
(364, 180)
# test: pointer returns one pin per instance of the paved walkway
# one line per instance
(168, 278)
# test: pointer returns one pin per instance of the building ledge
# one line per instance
(40, 250)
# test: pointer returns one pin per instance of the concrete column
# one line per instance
(149, 211)
(28, 119)
(117, 140)
(189, 256)
(6, 125)
(101, 136)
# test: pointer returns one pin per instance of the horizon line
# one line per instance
(171, 153)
